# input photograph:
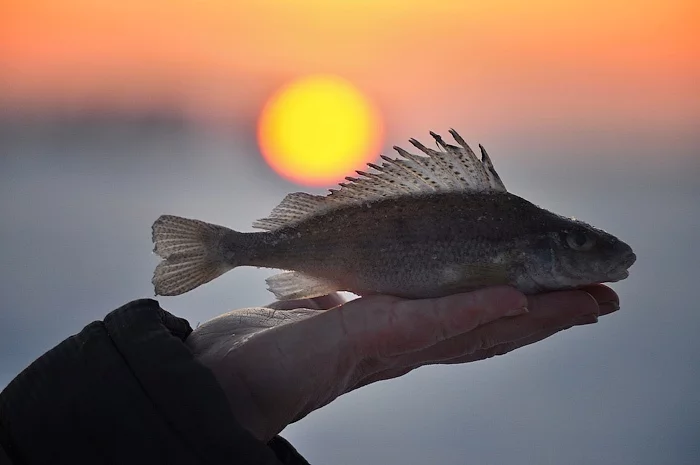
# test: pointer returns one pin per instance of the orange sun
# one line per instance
(318, 129)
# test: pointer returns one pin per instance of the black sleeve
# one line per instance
(126, 390)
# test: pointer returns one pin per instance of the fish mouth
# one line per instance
(621, 270)
(619, 276)
(629, 259)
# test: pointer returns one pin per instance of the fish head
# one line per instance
(573, 254)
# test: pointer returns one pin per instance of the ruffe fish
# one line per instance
(417, 226)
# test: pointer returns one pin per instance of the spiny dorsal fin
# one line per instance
(452, 169)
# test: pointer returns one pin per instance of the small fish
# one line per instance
(417, 226)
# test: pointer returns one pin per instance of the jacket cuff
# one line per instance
(127, 390)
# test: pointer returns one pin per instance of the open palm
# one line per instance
(279, 363)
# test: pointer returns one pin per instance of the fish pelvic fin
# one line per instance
(192, 253)
(293, 285)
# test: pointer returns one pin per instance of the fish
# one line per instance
(417, 226)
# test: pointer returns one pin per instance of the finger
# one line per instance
(547, 312)
(607, 299)
(483, 354)
(317, 303)
(383, 327)
(383, 375)
(502, 349)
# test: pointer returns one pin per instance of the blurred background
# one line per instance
(114, 112)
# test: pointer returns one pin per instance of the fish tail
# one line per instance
(193, 253)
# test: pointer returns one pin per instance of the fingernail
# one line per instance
(586, 320)
(608, 307)
(518, 311)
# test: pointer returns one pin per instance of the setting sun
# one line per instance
(318, 129)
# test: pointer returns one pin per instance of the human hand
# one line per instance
(277, 364)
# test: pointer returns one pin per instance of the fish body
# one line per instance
(417, 227)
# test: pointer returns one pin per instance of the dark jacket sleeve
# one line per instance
(126, 390)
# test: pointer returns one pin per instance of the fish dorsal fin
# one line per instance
(451, 169)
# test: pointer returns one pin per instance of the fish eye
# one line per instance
(579, 240)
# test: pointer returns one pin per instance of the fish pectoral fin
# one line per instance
(474, 276)
(293, 285)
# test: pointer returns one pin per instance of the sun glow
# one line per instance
(318, 129)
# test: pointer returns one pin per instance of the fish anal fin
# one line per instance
(293, 285)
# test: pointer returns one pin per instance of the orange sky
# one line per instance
(445, 59)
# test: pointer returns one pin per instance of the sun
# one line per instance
(318, 129)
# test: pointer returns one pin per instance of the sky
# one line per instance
(595, 61)
(589, 109)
